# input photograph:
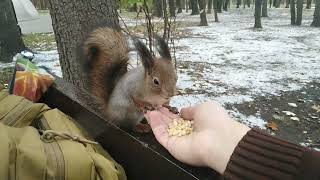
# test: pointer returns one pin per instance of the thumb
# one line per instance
(158, 126)
(188, 112)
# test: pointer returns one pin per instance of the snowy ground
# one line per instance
(233, 64)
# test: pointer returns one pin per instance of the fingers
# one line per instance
(158, 126)
(188, 113)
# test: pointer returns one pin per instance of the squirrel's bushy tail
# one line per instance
(106, 59)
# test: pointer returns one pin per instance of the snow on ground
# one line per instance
(231, 63)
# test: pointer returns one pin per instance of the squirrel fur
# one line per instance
(117, 89)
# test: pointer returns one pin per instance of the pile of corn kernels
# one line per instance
(180, 127)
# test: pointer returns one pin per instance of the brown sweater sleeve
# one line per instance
(262, 156)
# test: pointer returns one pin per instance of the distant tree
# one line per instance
(203, 16)
(179, 5)
(270, 3)
(238, 3)
(225, 5)
(257, 14)
(296, 18)
(246, 2)
(10, 35)
(316, 15)
(287, 3)
(194, 7)
(209, 6)
(299, 12)
(219, 6)
(72, 21)
(215, 6)
(158, 8)
(308, 4)
(265, 8)
(276, 3)
(172, 8)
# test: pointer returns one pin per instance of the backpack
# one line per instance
(42, 143)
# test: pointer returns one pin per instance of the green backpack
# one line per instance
(42, 143)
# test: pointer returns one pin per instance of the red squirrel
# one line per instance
(125, 94)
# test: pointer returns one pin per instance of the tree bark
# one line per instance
(225, 5)
(10, 35)
(219, 6)
(194, 7)
(293, 12)
(238, 3)
(72, 21)
(316, 15)
(257, 14)
(179, 5)
(309, 2)
(157, 8)
(265, 8)
(172, 8)
(209, 6)
(299, 12)
(203, 16)
(215, 5)
(287, 3)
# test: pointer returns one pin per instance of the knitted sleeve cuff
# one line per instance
(262, 156)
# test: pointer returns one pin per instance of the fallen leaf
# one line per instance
(292, 104)
(295, 119)
(273, 126)
(288, 113)
(316, 108)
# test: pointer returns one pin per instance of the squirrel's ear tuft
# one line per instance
(145, 55)
(163, 48)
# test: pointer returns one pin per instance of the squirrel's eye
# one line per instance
(156, 82)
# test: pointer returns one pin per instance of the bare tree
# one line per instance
(293, 12)
(209, 6)
(72, 21)
(257, 14)
(158, 8)
(215, 8)
(10, 34)
(194, 7)
(316, 15)
(179, 5)
(238, 3)
(265, 8)
(203, 16)
(287, 3)
(172, 8)
(299, 12)
(308, 4)
(225, 5)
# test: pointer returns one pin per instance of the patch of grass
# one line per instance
(40, 41)
(5, 75)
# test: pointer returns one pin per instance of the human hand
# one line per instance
(211, 143)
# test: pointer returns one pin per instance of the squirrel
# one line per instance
(125, 95)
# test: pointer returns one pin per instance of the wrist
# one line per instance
(219, 152)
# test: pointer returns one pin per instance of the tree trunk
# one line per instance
(238, 3)
(209, 6)
(72, 21)
(157, 8)
(203, 16)
(172, 8)
(276, 3)
(309, 2)
(257, 14)
(270, 1)
(248, 3)
(10, 35)
(293, 12)
(179, 5)
(215, 5)
(287, 3)
(316, 15)
(219, 6)
(299, 12)
(183, 4)
(194, 7)
(265, 8)
(225, 5)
